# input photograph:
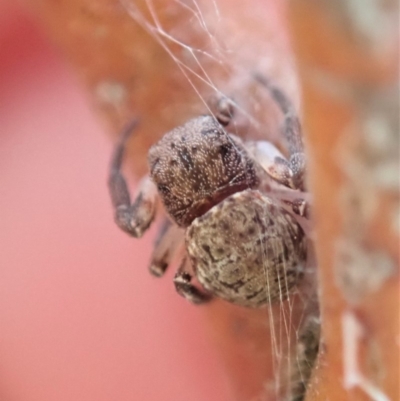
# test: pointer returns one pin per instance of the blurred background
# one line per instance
(80, 317)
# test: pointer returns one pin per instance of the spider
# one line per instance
(237, 205)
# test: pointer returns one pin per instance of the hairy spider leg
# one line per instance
(306, 357)
(169, 239)
(133, 218)
(186, 289)
(291, 129)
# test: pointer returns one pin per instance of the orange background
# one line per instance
(80, 317)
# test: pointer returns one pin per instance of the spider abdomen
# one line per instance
(247, 249)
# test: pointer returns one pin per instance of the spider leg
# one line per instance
(300, 207)
(306, 357)
(133, 218)
(224, 110)
(291, 129)
(169, 238)
(272, 161)
(278, 168)
(186, 289)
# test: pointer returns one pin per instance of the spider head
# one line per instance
(197, 165)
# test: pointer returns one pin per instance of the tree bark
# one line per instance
(348, 60)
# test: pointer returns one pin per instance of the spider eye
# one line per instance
(164, 189)
(154, 164)
(224, 150)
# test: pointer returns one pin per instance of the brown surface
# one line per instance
(349, 77)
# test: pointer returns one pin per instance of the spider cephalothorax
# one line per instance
(197, 165)
(237, 205)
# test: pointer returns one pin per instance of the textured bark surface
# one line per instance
(348, 72)
(348, 59)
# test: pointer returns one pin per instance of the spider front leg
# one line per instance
(133, 218)
(186, 289)
(272, 161)
(278, 168)
(291, 129)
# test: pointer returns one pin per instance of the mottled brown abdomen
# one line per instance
(247, 250)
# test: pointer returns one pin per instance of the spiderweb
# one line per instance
(219, 57)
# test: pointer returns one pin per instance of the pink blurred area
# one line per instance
(80, 317)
